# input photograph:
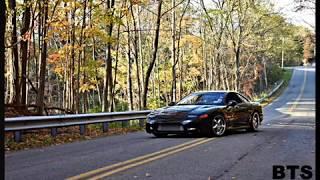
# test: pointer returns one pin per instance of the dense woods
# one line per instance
(109, 55)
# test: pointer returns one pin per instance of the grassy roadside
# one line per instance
(42, 138)
(287, 74)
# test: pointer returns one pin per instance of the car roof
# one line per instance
(216, 91)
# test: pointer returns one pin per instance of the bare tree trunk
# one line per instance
(81, 53)
(115, 70)
(159, 84)
(154, 56)
(2, 65)
(178, 61)
(212, 72)
(72, 69)
(226, 76)
(136, 56)
(107, 90)
(204, 55)
(237, 74)
(9, 80)
(181, 75)
(140, 52)
(14, 42)
(40, 97)
(129, 80)
(24, 51)
(173, 52)
(265, 72)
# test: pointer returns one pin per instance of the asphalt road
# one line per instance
(286, 137)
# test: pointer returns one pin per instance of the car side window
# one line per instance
(237, 98)
(234, 97)
(243, 98)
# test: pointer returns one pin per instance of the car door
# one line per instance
(234, 112)
(244, 108)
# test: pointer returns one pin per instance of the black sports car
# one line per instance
(210, 113)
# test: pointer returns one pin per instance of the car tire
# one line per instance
(254, 122)
(217, 126)
(160, 135)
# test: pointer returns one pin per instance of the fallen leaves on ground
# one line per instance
(42, 138)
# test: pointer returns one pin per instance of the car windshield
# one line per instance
(203, 99)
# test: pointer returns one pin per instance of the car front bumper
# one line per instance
(187, 126)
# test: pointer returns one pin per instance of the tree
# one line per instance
(154, 56)
(2, 70)
(24, 50)
(43, 64)
(107, 90)
(14, 43)
(305, 4)
(93, 56)
(308, 49)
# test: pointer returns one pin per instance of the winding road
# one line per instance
(286, 137)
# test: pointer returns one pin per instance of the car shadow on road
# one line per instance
(197, 135)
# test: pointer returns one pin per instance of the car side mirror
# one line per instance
(171, 103)
(232, 103)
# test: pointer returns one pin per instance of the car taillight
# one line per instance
(203, 116)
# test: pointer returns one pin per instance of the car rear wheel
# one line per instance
(218, 126)
(160, 135)
(254, 122)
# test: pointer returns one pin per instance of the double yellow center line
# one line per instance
(121, 166)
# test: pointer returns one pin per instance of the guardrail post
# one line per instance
(124, 124)
(54, 132)
(17, 136)
(82, 129)
(141, 123)
(105, 127)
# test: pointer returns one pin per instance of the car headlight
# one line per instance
(186, 122)
(150, 121)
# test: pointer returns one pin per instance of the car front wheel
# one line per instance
(218, 126)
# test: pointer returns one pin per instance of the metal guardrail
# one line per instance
(272, 92)
(17, 124)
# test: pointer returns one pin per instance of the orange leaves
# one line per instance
(26, 36)
(53, 58)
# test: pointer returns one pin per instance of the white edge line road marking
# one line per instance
(301, 92)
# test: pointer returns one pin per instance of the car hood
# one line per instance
(181, 111)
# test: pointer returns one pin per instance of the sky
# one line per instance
(304, 18)
(286, 8)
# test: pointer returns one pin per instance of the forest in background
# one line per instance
(106, 55)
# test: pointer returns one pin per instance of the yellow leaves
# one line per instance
(139, 2)
(187, 21)
(100, 34)
(194, 71)
(59, 70)
(87, 87)
(59, 24)
(194, 41)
